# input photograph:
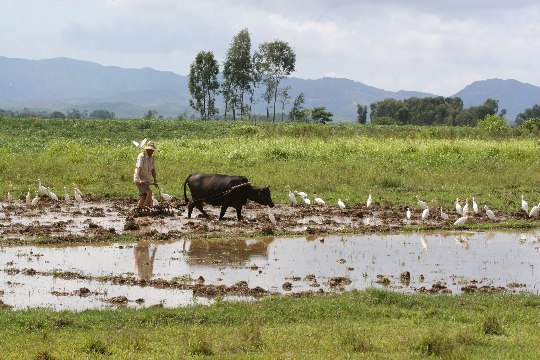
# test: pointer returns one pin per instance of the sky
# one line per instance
(431, 46)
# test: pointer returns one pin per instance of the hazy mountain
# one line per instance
(65, 84)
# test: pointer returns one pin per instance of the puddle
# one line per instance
(276, 265)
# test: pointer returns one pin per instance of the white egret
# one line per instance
(78, 197)
(291, 195)
(534, 210)
(474, 206)
(443, 214)
(462, 219)
(524, 205)
(421, 203)
(271, 216)
(42, 188)
(425, 214)
(307, 201)
(154, 201)
(369, 199)
(77, 190)
(490, 213)
(28, 198)
(51, 194)
(302, 194)
(341, 204)
(36, 199)
(66, 195)
(318, 200)
(9, 197)
(165, 197)
(466, 207)
(408, 214)
(459, 210)
(139, 145)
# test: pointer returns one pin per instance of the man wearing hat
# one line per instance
(145, 168)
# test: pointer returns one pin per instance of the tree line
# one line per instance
(427, 111)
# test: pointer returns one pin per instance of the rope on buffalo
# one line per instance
(216, 196)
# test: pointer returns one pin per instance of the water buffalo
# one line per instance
(214, 189)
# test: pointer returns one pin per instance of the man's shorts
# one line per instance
(143, 189)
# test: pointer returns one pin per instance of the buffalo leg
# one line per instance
(200, 208)
(190, 209)
(239, 212)
(224, 208)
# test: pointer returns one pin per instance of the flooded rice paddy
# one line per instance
(181, 272)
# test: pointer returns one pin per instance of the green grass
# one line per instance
(335, 161)
(358, 324)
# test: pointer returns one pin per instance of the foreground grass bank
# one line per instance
(335, 161)
(366, 324)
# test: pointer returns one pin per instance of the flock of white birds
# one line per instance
(77, 195)
(462, 211)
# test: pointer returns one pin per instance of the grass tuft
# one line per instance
(491, 326)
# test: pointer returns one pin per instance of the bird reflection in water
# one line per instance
(144, 262)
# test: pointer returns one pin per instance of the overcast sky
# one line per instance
(423, 45)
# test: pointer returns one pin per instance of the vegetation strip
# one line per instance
(370, 323)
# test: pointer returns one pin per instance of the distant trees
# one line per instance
(150, 115)
(430, 111)
(203, 84)
(75, 114)
(57, 115)
(243, 72)
(530, 113)
(102, 114)
(362, 114)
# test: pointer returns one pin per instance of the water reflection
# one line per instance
(453, 258)
(144, 262)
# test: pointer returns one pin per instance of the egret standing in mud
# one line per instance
(474, 206)
(524, 205)
(318, 200)
(490, 213)
(66, 195)
(369, 199)
(443, 214)
(165, 197)
(28, 198)
(425, 214)
(459, 210)
(408, 213)
(422, 204)
(51, 194)
(462, 219)
(36, 199)
(42, 188)
(291, 195)
(77, 196)
(271, 216)
(341, 204)
(9, 197)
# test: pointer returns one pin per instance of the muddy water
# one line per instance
(456, 260)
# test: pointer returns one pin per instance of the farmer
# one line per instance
(145, 168)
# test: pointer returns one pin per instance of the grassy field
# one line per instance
(366, 324)
(335, 160)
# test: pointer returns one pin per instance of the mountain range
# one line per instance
(64, 84)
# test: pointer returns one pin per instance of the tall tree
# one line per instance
(237, 71)
(362, 114)
(203, 84)
(298, 105)
(278, 62)
(284, 97)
